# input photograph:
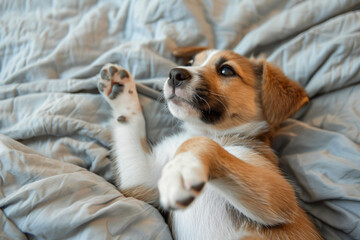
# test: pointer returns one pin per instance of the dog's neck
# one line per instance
(248, 130)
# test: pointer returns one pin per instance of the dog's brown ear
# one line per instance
(188, 52)
(280, 96)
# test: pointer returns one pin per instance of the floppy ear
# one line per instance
(186, 53)
(280, 96)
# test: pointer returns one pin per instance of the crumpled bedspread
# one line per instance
(55, 137)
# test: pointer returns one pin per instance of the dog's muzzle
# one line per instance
(178, 76)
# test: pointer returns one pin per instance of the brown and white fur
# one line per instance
(218, 178)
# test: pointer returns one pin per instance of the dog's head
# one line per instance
(225, 91)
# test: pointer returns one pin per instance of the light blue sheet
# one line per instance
(55, 167)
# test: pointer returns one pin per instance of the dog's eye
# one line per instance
(189, 63)
(227, 71)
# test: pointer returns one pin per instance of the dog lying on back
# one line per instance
(218, 178)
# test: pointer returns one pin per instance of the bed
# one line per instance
(55, 137)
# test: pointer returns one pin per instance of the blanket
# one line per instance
(55, 138)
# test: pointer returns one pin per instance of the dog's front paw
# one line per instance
(119, 89)
(182, 180)
(113, 79)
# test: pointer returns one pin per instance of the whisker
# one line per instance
(216, 94)
(227, 110)
(164, 109)
(161, 98)
(217, 98)
(203, 100)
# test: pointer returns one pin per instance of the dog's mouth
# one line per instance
(179, 100)
(195, 102)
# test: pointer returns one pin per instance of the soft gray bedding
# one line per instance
(55, 176)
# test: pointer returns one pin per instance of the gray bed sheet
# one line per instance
(55, 163)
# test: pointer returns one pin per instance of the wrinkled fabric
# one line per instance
(55, 164)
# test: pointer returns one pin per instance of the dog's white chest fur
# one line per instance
(206, 218)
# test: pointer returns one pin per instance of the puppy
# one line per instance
(218, 178)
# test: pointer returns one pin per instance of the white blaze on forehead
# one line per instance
(210, 54)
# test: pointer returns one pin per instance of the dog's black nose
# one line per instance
(178, 76)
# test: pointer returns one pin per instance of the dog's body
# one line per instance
(219, 170)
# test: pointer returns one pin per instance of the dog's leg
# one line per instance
(258, 192)
(134, 176)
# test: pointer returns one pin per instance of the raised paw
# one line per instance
(114, 80)
(119, 89)
(182, 180)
